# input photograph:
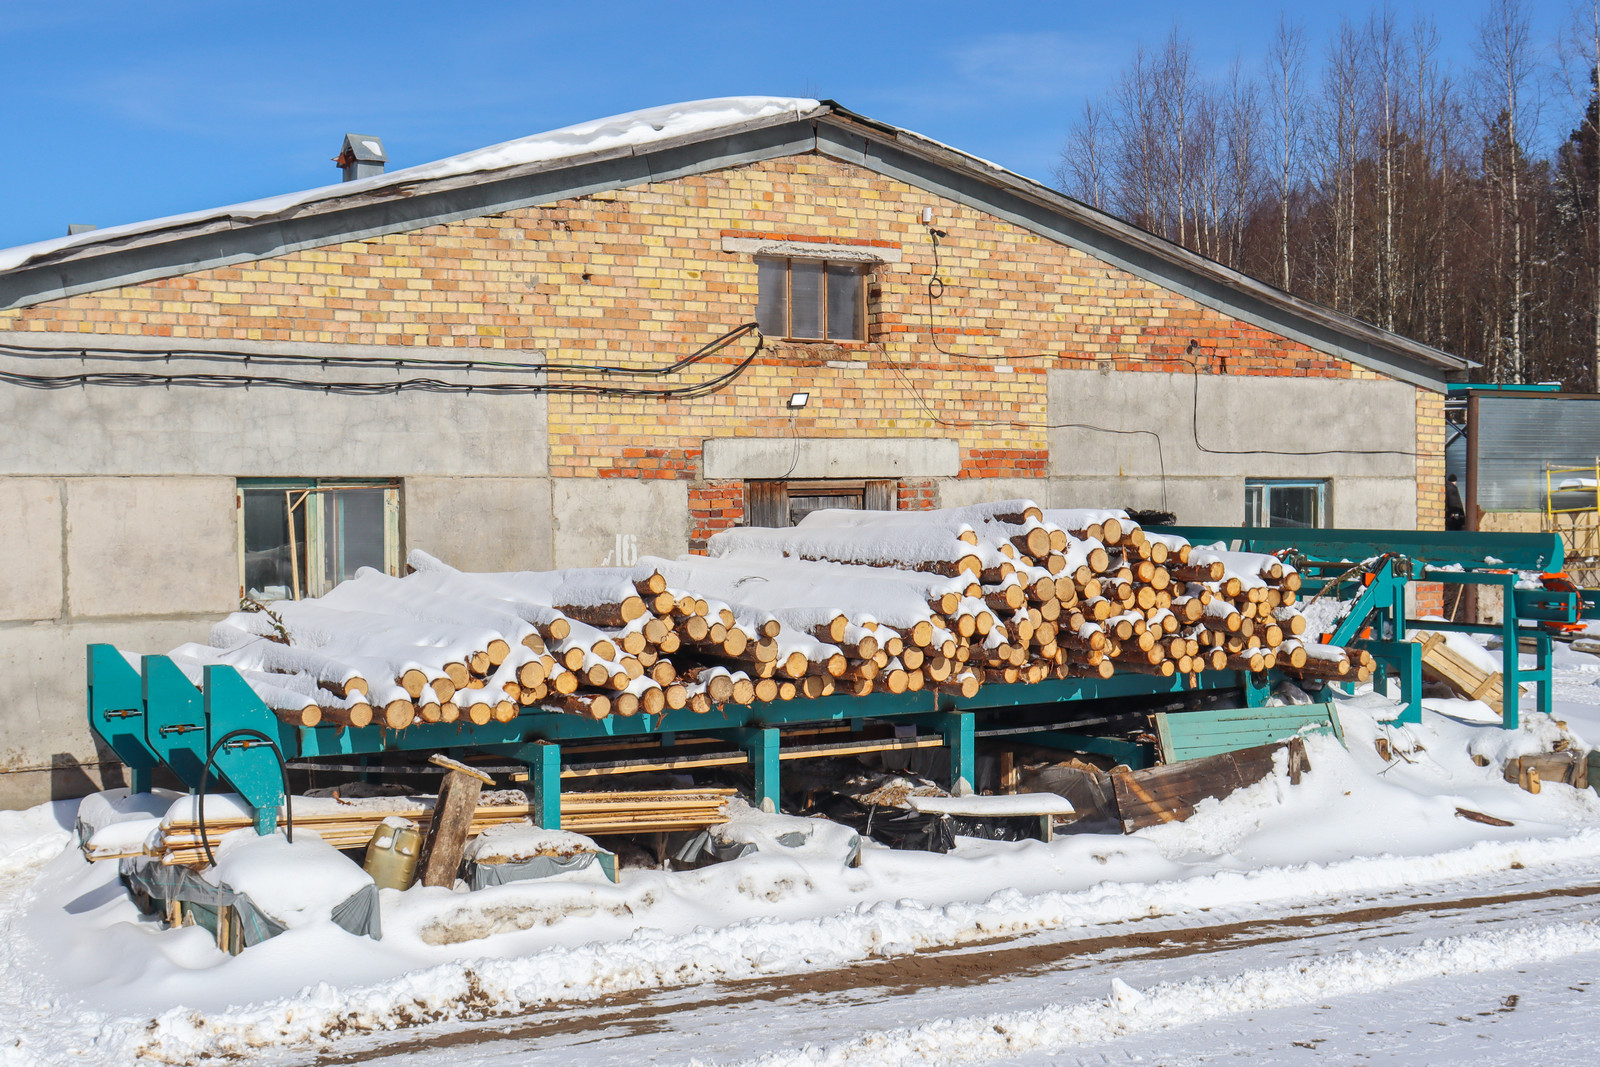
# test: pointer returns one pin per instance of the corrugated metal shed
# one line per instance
(1519, 438)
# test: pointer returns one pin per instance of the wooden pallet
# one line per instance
(1441, 663)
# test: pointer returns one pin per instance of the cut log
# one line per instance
(605, 616)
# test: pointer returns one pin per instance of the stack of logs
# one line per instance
(1004, 593)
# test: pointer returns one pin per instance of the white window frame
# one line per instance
(1265, 487)
(308, 566)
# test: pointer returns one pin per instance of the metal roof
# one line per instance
(459, 188)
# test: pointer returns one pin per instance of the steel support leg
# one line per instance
(956, 727)
(761, 744)
(544, 783)
(1256, 691)
(1510, 690)
(1542, 659)
(1406, 658)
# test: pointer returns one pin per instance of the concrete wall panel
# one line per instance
(835, 457)
(1197, 501)
(959, 492)
(30, 540)
(1373, 504)
(1236, 412)
(46, 750)
(270, 432)
(151, 546)
(481, 524)
(612, 522)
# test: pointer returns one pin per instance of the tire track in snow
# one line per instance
(953, 1042)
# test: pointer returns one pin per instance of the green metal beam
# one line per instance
(1512, 551)
(116, 713)
(174, 719)
(1132, 753)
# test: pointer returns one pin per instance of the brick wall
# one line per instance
(1430, 487)
(713, 507)
(1005, 463)
(918, 496)
(637, 278)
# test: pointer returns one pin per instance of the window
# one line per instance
(812, 299)
(786, 503)
(1284, 503)
(302, 537)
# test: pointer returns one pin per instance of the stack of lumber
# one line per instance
(848, 602)
(350, 825)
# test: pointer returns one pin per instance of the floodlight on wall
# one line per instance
(798, 401)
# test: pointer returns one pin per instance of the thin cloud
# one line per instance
(1039, 66)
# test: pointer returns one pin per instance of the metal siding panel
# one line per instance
(1518, 437)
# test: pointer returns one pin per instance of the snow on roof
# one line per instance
(630, 130)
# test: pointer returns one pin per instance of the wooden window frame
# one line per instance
(769, 497)
(862, 271)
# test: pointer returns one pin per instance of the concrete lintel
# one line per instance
(830, 457)
(759, 246)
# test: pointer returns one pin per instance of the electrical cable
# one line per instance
(205, 778)
(1194, 424)
(1161, 459)
(80, 352)
(429, 385)
(936, 293)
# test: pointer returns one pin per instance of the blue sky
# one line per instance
(122, 111)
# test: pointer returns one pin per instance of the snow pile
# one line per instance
(117, 823)
(516, 842)
(296, 883)
(993, 807)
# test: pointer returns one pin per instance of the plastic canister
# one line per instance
(392, 853)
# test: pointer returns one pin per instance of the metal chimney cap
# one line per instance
(363, 148)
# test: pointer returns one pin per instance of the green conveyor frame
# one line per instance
(150, 714)
(1373, 568)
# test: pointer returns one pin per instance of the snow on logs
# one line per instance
(848, 602)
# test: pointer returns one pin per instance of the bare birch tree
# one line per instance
(1507, 72)
(1579, 50)
(1286, 96)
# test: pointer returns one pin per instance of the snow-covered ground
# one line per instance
(663, 965)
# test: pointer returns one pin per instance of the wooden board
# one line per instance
(1441, 663)
(1189, 735)
(1169, 794)
(1569, 767)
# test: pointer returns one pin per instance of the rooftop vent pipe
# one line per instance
(361, 157)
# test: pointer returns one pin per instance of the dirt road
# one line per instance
(739, 1020)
